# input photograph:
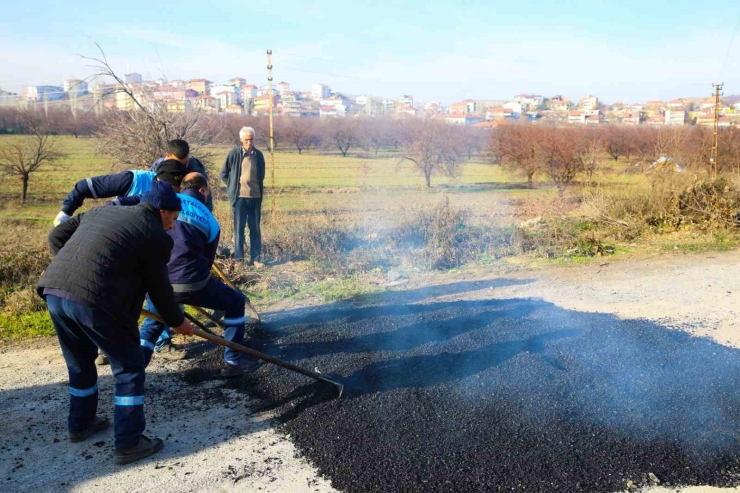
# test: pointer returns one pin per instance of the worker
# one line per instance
(126, 183)
(196, 234)
(179, 149)
(105, 261)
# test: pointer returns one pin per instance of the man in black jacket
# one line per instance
(244, 176)
(105, 261)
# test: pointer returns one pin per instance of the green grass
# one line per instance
(25, 325)
(303, 182)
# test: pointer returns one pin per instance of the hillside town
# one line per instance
(236, 97)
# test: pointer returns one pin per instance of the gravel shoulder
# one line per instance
(214, 439)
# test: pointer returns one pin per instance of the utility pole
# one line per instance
(715, 138)
(272, 135)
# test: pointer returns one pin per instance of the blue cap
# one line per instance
(162, 196)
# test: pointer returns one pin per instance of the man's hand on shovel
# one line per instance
(184, 328)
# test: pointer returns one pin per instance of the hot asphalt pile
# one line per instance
(499, 395)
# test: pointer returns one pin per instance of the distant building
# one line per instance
(516, 108)
(559, 103)
(320, 91)
(676, 117)
(707, 120)
(467, 106)
(631, 118)
(674, 104)
(43, 93)
(132, 78)
(498, 113)
(589, 103)
(261, 105)
(405, 111)
(249, 91)
(234, 109)
(179, 84)
(179, 105)
(432, 108)
(206, 103)
(529, 100)
(202, 86)
(75, 87)
(236, 92)
(237, 81)
(8, 98)
(341, 106)
(463, 119)
(577, 117)
(283, 88)
(226, 98)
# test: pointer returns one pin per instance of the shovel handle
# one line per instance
(210, 336)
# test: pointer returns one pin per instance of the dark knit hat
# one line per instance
(171, 171)
(162, 196)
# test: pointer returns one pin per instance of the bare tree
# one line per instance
(22, 156)
(342, 134)
(517, 148)
(432, 148)
(137, 137)
(561, 152)
(300, 132)
(376, 133)
(617, 141)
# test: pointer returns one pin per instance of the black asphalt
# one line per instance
(499, 395)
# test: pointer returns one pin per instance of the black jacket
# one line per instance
(111, 257)
(194, 165)
(232, 170)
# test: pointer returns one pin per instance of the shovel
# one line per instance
(201, 331)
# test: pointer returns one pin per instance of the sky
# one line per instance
(621, 50)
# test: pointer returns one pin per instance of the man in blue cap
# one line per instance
(105, 261)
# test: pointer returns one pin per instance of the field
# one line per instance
(342, 227)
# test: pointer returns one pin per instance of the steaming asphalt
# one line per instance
(499, 395)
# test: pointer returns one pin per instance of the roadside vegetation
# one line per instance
(387, 200)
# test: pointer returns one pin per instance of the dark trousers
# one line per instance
(247, 212)
(81, 330)
(215, 295)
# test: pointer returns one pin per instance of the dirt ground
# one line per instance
(214, 442)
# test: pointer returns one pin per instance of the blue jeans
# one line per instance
(215, 295)
(81, 330)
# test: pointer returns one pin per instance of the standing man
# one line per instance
(244, 176)
(105, 261)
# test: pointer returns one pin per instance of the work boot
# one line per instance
(145, 448)
(98, 424)
(171, 352)
(102, 360)
(257, 264)
(247, 365)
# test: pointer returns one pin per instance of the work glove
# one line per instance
(61, 218)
